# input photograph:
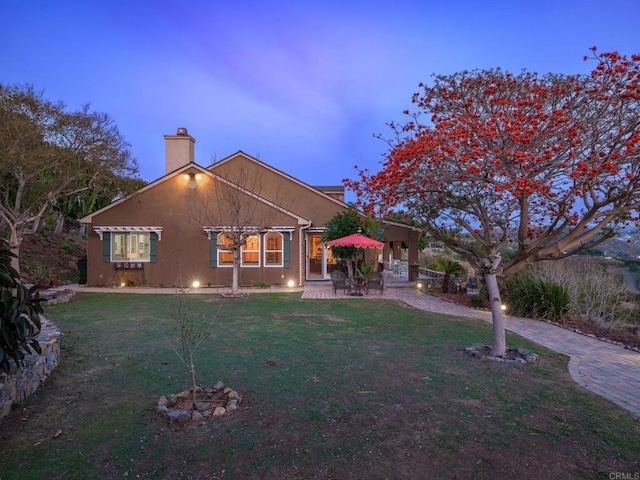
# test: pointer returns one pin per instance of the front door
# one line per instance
(320, 262)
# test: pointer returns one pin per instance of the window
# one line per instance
(251, 251)
(131, 247)
(273, 249)
(225, 257)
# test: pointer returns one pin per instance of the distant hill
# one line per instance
(622, 247)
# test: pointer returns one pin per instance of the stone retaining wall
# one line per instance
(19, 383)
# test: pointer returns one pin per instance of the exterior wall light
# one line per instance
(193, 184)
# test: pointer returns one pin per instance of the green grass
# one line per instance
(341, 388)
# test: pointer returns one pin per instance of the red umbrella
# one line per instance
(355, 240)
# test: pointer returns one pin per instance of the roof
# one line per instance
(316, 190)
(88, 218)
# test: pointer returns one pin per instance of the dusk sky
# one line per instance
(301, 85)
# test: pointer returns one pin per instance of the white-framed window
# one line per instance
(225, 257)
(131, 247)
(250, 252)
(273, 249)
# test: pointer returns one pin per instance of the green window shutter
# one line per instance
(153, 240)
(214, 250)
(106, 246)
(286, 249)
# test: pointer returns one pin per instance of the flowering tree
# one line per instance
(546, 165)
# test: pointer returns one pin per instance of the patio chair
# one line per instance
(340, 280)
(375, 281)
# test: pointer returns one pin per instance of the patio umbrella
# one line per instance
(355, 240)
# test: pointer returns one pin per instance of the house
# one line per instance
(174, 230)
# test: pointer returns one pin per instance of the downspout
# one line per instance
(304, 259)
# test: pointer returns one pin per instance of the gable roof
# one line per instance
(262, 164)
(87, 219)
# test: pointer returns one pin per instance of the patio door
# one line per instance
(320, 262)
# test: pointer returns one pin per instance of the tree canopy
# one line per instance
(48, 154)
(547, 165)
(341, 225)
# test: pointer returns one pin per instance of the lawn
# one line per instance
(341, 388)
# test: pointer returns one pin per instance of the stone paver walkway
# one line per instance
(605, 369)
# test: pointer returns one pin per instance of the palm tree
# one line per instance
(449, 268)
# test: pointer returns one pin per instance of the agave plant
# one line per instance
(19, 315)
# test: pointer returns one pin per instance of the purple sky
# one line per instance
(302, 85)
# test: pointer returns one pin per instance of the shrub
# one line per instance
(477, 301)
(19, 315)
(598, 292)
(536, 297)
(260, 284)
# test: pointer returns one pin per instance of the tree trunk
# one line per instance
(15, 241)
(499, 339)
(445, 282)
(236, 271)
(59, 223)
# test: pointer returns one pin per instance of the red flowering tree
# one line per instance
(546, 165)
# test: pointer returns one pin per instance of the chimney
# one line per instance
(178, 150)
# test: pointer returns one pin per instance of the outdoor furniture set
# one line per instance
(355, 285)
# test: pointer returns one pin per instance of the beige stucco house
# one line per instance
(174, 230)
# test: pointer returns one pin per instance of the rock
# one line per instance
(227, 390)
(232, 405)
(184, 394)
(162, 401)
(163, 410)
(180, 416)
(493, 359)
(172, 400)
(233, 395)
(219, 411)
(196, 416)
(218, 386)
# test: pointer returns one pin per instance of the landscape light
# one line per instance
(291, 284)
(195, 284)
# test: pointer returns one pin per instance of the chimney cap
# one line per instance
(182, 131)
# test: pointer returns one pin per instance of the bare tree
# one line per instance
(193, 330)
(235, 209)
